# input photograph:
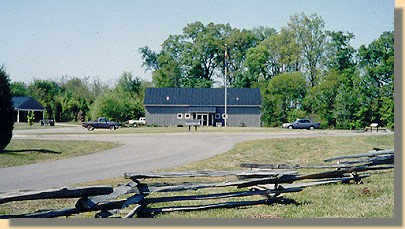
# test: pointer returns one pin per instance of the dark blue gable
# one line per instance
(26, 103)
(202, 96)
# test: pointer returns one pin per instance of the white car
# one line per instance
(139, 122)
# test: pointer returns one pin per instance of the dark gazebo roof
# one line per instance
(26, 103)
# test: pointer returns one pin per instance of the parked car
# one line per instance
(139, 122)
(302, 123)
(101, 123)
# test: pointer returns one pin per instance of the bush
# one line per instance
(30, 118)
(6, 110)
(153, 125)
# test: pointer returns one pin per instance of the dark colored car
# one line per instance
(101, 123)
(302, 123)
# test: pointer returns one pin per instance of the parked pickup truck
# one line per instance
(101, 123)
(139, 122)
(302, 123)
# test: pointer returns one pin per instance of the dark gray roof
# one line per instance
(195, 109)
(202, 96)
(26, 103)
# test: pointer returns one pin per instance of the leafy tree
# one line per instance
(340, 54)
(276, 54)
(6, 110)
(195, 58)
(169, 75)
(150, 58)
(203, 48)
(327, 100)
(121, 103)
(256, 62)
(45, 91)
(115, 106)
(320, 99)
(377, 59)
(18, 89)
(310, 35)
(73, 98)
(238, 43)
(377, 92)
(262, 33)
(130, 84)
(283, 94)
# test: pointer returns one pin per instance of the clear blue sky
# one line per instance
(101, 38)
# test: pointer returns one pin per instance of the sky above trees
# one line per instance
(50, 39)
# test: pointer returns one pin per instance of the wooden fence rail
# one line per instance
(265, 181)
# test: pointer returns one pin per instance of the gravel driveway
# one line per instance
(139, 153)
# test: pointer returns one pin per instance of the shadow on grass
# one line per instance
(5, 151)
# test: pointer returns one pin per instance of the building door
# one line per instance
(204, 118)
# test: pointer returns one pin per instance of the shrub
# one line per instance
(6, 110)
(30, 118)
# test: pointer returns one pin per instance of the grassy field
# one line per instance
(21, 152)
(25, 126)
(372, 199)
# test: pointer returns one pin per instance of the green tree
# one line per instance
(127, 83)
(18, 89)
(6, 110)
(116, 106)
(377, 83)
(310, 35)
(283, 94)
(256, 63)
(340, 54)
(262, 33)
(74, 98)
(238, 43)
(123, 102)
(277, 54)
(320, 99)
(327, 100)
(45, 91)
(195, 58)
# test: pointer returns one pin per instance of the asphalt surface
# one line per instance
(139, 153)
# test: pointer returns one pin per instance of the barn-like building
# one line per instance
(175, 106)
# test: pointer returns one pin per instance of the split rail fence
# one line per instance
(267, 181)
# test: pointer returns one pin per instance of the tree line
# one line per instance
(303, 70)
(78, 99)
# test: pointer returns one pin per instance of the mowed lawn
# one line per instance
(372, 199)
(29, 151)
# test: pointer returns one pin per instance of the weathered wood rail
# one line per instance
(264, 181)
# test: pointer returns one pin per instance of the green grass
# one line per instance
(25, 126)
(372, 199)
(21, 152)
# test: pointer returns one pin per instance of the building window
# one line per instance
(217, 116)
(187, 115)
(179, 115)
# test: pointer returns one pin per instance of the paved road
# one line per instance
(139, 153)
